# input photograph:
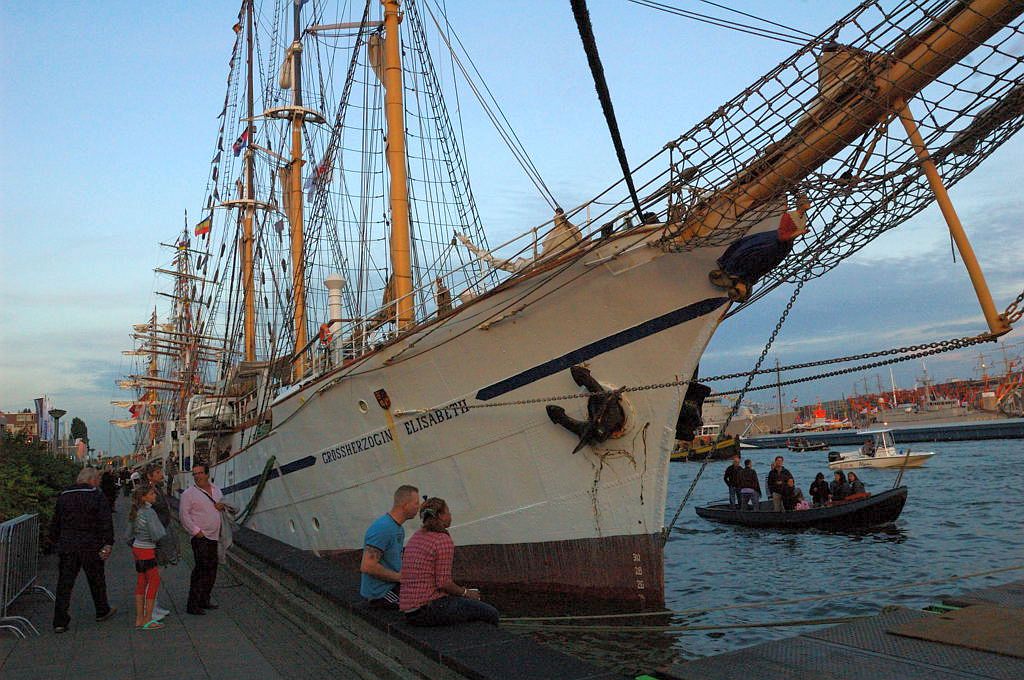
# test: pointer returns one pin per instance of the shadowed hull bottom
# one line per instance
(580, 575)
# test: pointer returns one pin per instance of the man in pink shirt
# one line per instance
(200, 509)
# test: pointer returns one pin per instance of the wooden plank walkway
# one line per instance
(867, 650)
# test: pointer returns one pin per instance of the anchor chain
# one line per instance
(1014, 311)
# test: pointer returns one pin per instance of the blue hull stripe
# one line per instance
(294, 466)
(620, 339)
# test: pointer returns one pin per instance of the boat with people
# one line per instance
(878, 451)
(872, 510)
(340, 324)
(802, 446)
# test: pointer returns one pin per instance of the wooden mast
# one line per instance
(401, 263)
(245, 246)
(295, 205)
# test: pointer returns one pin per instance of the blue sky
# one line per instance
(108, 121)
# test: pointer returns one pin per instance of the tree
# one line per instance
(79, 430)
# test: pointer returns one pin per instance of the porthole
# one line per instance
(316, 524)
(363, 406)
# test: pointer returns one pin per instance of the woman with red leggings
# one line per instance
(147, 531)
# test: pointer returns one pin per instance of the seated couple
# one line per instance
(420, 582)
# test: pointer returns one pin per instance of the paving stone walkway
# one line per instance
(244, 638)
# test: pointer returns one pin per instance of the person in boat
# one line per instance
(820, 493)
(777, 481)
(868, 448)
(732, 481)
(791, 495)
(430, 596)
(856, 486)
(840, 488)
(381, 564)
(751, 257)
(750, 486)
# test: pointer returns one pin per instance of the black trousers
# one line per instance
(70, 562)
(204, 573)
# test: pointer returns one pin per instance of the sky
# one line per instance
(108, 121)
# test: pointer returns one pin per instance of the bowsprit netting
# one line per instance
(824, 124)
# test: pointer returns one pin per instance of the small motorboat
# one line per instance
(879, 451)
(802, 446)
(873, 510)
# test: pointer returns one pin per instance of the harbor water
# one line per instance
(962, 516)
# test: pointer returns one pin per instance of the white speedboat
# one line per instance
(879, 451)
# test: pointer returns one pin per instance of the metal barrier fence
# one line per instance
(19, 568)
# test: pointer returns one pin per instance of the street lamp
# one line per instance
(56, 414)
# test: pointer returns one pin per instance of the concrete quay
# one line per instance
(283, 613)
(1003, 428)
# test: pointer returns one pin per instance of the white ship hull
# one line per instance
(529, 514)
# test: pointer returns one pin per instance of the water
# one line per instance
(961, 516)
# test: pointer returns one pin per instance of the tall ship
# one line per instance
(340, 323)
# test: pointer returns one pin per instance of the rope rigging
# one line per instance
(787, 37)
(582, 15)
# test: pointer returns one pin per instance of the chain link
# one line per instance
(1014, 311)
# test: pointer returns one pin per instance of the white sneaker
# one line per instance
(160, 612)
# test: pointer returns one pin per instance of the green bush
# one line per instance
(30, 480)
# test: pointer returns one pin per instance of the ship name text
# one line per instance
(364, 443)
(435, 417)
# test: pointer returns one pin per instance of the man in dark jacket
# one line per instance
(108, 485)
(83, 532)
(778, 477)
(750, 486)
(732, 480)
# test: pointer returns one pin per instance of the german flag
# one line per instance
(204, 226)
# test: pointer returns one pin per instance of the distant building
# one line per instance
(20, 422)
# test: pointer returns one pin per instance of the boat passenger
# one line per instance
(868, 448)
(777, 480)
(430, 596)
(750, 486)
(856, 486)
(819, 490)
(732, 481)
(801, 502)
(789, 495)
(840, 488)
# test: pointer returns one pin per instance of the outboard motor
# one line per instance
(834, 456)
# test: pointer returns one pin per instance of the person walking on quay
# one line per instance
(732, 481)
(381, 565)
(83, 532)
(146, 531)
(108, 485)
(429, 596)
(778, 477)
(200, 510)
(167, 549)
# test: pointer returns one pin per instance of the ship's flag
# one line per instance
(241, 142)
(204, 226)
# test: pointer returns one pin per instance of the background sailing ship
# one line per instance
(340, 323)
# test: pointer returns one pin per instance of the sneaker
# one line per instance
(60, 629)
(160, 612)
(109, 615)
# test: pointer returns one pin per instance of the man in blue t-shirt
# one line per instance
(382, 550)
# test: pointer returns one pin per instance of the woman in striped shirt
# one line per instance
(429, 596)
